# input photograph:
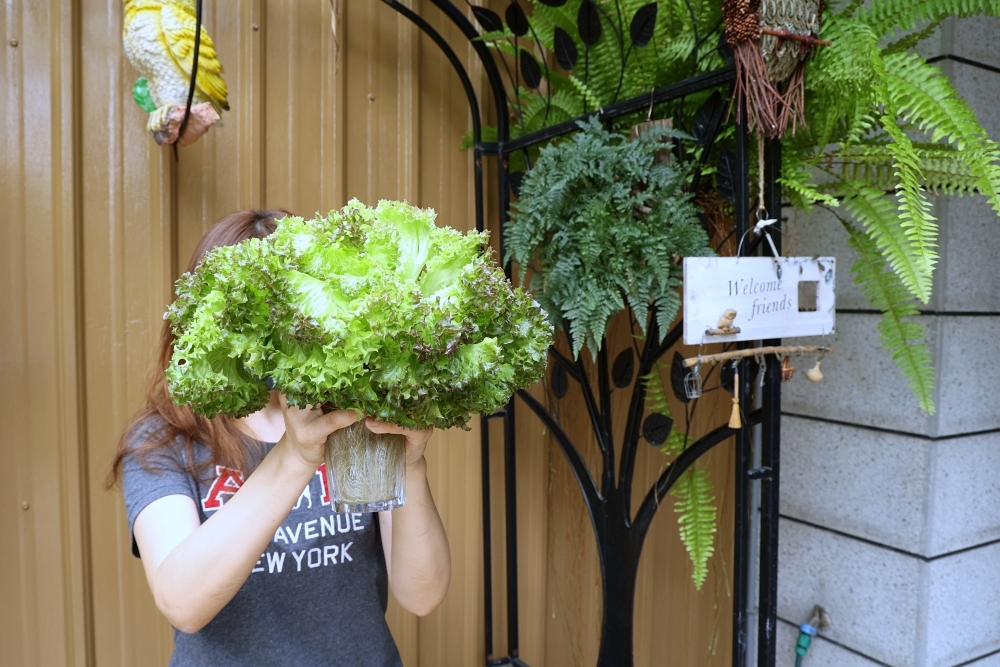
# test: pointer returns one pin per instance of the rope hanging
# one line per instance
(194, 75)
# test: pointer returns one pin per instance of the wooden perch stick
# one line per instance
(753, 352)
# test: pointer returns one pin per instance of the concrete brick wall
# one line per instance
(891, 517)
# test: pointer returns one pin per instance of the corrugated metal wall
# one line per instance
(97, 221)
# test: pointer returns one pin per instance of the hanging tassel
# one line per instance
(734, 418)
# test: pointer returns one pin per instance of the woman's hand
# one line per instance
(306, 431)
(416, 440)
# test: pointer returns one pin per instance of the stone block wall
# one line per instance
(891, 517)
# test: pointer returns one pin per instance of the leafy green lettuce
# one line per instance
(378, 310)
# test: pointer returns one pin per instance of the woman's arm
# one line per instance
(416, 548)
(194, 569)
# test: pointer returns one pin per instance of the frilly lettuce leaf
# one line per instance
(378, 310)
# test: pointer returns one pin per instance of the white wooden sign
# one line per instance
(790, 296)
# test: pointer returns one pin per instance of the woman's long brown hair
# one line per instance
(162, 422)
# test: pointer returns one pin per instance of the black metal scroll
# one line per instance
(620, 532)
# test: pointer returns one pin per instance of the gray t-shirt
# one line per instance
(317, 596)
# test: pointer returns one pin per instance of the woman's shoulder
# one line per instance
(152, 442)
(144, 430)
(152, 432)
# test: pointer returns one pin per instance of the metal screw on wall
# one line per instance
(25, 505)
(13, 43)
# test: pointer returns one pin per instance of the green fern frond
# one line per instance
(656, 401)
(503, 44)
(668, 57)
(492, 37)
(803, 191)
(567, 104)
(676, 442)
(593, 101)
(540, 111)
(849, 8)
(918, 224)
(927, 100)
(545, 18)
(656, 397)
(880, 218)
(886, 16)
(903, 339)
(487, 133)
(693, 502)
(668, 305)
(949, 176)
(983, 164)
(866, 164)
(944, 173)
(846, 65)
(680, 48)
(910, 41)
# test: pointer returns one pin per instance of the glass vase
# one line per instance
(366, 471)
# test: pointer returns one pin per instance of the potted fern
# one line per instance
(601, 223)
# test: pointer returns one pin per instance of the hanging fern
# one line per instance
(693, 492)
(602, 223)
(885, 130)
(903, 338)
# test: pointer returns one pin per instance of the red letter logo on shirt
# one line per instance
(227, 482)
(323, 484)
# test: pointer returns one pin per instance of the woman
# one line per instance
(241, 548)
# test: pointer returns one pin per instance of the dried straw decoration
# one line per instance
(771, 40)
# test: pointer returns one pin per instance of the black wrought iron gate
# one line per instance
(619, 532)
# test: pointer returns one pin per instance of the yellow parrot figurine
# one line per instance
(159, 42)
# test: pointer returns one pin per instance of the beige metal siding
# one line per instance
(43, 591)
(97, 223)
